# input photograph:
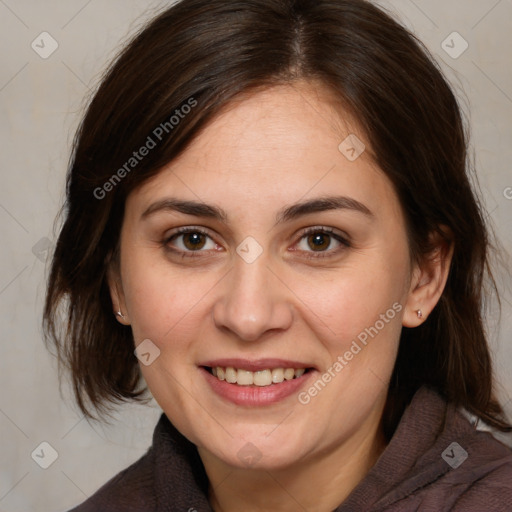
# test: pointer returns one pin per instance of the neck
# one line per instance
(320, 482)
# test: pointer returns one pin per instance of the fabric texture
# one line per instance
(436, 461)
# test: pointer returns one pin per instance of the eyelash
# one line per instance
(308, 231)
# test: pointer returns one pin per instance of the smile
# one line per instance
(265, 377)
(258, 382)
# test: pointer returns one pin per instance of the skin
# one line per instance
(266, 151)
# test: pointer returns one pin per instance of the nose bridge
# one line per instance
(253, 300)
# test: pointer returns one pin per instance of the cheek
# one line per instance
(342, 307)
(165, 304)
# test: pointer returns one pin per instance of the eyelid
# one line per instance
(187, 229)
(324, 229)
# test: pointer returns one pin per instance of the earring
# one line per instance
(419, 313)
(120, 314)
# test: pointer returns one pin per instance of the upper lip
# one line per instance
(256, 364)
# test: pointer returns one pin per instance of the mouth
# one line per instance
(261, 378)
(256, 383)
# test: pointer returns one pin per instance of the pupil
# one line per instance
(319, 240)
(193, 241)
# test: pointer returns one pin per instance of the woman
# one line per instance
(269, 201)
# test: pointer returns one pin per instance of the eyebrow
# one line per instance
(286, 214)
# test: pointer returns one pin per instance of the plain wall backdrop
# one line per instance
(42, 96)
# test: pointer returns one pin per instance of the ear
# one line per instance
(117, 294)
(429, 279)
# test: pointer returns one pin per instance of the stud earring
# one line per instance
(419, 313)
(120, 314)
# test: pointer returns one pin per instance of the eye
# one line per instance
(189, 240)
(315, 242)
(320, 239)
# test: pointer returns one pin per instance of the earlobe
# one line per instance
(413, 317)
(119, 307)
(120, 315)
(117, 297)
(429, 280)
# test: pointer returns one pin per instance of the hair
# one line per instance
(203, 53)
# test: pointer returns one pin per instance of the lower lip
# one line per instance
(255, 395)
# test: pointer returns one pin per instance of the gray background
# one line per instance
(41, 101)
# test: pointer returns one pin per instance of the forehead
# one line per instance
(270, 148)
(283, 122)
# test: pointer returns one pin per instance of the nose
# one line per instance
(253, 301)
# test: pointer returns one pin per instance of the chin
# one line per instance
(260, 452)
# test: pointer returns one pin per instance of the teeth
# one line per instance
(231, 374)
(262, 378)
(259, 378)
(289, 373)
(244, 378)
(277, 375)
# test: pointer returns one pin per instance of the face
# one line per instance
(296, 303)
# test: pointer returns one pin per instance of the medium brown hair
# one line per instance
(210, 51)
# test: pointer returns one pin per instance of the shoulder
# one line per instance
(438, 460)
(483, 481)
(171, 472)
(478, 468)
(129, 490)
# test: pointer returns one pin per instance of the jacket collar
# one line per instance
(411, 460)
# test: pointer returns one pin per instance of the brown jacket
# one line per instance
(435, 462)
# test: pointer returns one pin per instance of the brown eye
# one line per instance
(193, 240)
(189, 240)
(319, 241)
